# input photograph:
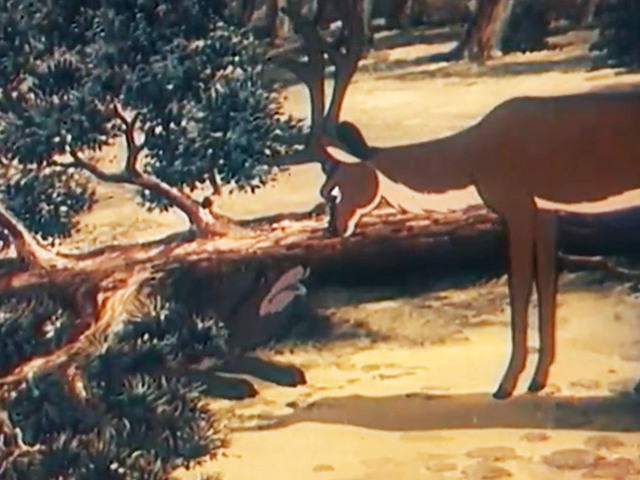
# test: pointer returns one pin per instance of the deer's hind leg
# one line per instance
(547, 287)
(520, 227)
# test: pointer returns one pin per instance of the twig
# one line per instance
(12, 442)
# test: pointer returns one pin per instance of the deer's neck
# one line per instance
(437, 166)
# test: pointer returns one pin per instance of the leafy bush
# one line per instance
(619, 36)
(137, 422)
(206, 113)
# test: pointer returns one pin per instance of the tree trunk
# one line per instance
(484, 33)
(385, 243)
(278, 25)
(247, 10)
(588, 11)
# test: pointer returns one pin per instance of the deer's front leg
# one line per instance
(546, 285)
(520, 236)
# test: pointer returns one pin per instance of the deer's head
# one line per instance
(257, 303)
(352, 187)
(351, 190)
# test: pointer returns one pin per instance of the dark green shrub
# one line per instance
(206, 114)
(618, 41)
(136, 422)
(527, 28)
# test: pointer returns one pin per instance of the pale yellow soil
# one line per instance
(410, 400)
(416, 404)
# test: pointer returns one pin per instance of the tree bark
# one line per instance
(587, 11)
(28, 249)
(385, 243)
(247, 10)
(216, 225)
(484, 33)
(386, 248)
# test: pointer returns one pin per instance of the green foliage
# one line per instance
(619, 36)
(47, 199)
(31, 326)
(196, 82)
(138, 421)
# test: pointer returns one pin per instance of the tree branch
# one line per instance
(104, 311)
(11, 442)
(208, 224)
(27, 246)
(94, 170)
(133, 148)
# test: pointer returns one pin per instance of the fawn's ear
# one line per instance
(284, 291)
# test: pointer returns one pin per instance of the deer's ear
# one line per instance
(286, 288)
(290, 277)
(341, 156)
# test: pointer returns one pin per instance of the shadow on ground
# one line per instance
(419, 411)
(405, 70)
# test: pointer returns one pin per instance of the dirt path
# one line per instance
(410, 398)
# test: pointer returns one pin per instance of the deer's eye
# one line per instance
(336, 193)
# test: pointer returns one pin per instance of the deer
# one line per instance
(528, 160)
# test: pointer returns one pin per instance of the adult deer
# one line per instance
(526, 160)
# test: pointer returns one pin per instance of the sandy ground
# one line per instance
(409, 397)
(403, 391)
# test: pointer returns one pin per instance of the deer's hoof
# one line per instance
(502, 393)
(292, 377)
(536, 386)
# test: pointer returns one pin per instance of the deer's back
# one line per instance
(567, 148)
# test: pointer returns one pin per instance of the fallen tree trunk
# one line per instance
(387, 245)
(386, 242)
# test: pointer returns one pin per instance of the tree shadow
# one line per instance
(423, 412)
(418, 36)
(406, 285)
(501, 68)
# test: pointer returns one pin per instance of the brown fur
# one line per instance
(566, 150)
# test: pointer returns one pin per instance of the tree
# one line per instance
(118, 416)
(484, 33)
(504, 26)
(85, 392)
(527, 28)
(184, 90)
